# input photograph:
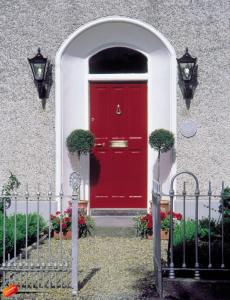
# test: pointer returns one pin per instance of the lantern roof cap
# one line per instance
(38, 58)
(187, 58)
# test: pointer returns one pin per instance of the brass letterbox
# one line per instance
(119, 144)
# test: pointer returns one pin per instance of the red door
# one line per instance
(118, 165)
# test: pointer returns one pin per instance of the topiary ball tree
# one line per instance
(80, 141)
(161, 140)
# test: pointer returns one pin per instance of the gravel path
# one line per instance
(113, 264)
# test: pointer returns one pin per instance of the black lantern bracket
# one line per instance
(42, 73)
(188, 74)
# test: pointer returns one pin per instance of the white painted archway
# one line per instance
(72, 108)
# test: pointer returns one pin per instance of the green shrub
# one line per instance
(165, 223)
(161, 140)
(203, 232)
(20, 231)
(226, 202)
(190, 229)
(80, 141)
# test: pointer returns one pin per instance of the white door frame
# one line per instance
(72, 78)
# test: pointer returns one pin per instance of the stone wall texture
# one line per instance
(27, 131)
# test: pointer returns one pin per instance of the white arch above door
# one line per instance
(72, 77)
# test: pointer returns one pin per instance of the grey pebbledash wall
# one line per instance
(27, 132)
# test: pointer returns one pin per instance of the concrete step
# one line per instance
(114, 221)
(126, 232)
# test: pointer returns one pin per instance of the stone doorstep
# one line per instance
(117, 212)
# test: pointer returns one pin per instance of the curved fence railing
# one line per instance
(199, 243)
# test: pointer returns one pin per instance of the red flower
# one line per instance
(81, 220)
(163, 215)
(64, 226)
(58, 213)
(68, 211)
(178, 216)
(149, 221)
(144, 219)
(66, 219)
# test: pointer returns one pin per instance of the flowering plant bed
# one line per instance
(165, 219)
(62, 222)
(144, 224)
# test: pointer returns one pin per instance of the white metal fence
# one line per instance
(172, 268)
(51, 263)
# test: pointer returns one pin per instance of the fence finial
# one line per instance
(27, 189)
(38, 190)
(49, 190)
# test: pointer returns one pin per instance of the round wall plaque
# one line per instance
(188, 128)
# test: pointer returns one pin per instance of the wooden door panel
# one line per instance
(118, 167)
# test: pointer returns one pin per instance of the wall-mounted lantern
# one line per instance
(187, 75)
(39, 67)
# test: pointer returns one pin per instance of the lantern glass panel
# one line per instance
(186, 70)
(38, 70)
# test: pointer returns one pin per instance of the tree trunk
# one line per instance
(158, 166)
(78, 163)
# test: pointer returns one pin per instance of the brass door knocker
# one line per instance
(118, 110)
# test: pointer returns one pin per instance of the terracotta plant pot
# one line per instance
(164, 235)
(165, 205)
(83, 204)
(65, 235)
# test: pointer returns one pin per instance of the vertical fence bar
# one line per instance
(15, 227)
(8, 265)
(209, 226)
(61, 232)
(20, 266)
(38, 231)
(27, 206)
(75, 242)
(156, 197)
(184, 233)
(197, 273)
(4, 239)
(49, 238)
(171, 265)
(222, 227)
(38, 223)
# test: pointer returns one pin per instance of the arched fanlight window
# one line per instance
(118, 60)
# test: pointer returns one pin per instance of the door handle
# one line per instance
(100, 145)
